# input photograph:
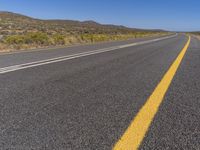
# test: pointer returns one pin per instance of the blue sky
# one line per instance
(178, 15)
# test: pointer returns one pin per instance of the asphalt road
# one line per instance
(89, 102)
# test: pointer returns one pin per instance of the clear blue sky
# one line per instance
(163, 14)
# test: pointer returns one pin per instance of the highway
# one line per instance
(134, 94)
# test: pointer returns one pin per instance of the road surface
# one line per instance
(88, 97)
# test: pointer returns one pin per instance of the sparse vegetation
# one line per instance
(21, 32)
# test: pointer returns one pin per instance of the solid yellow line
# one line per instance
(136, 132)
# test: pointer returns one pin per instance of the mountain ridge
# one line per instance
(15, 16)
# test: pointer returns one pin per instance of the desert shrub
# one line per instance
(95, 37)
(87, 37)
(71, 39)
(100, 37)
(29, 38)
(14, 39)
(58, 39)
(37, 38)
(32, 39)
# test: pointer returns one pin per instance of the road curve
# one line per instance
(89, 102)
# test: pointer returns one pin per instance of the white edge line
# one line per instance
(68, 57)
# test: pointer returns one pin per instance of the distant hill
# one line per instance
(22, 32)
(12, 23)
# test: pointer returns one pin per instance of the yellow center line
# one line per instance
(138, 128)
